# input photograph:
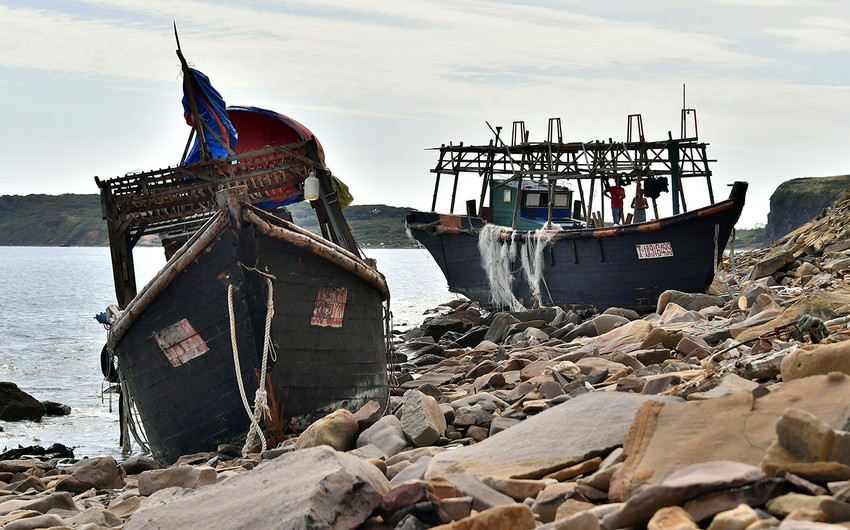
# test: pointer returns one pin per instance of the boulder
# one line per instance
(17, 405)
(100, 473)
(339, 430)
(499, 326)
(313, 488)
(138, 463)
(812, 359)
(458, 321)
(421, 418)
(661, 439)
(586, 426)
(386, 434)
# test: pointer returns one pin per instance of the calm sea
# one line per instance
(50, 343)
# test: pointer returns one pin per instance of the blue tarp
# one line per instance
(212, 110)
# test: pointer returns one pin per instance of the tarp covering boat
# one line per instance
(213, 111)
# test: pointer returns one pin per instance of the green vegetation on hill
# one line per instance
(51, 220)
(373, 225)
(747, 238)
(75, 220)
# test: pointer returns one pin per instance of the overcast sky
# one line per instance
(93, 87)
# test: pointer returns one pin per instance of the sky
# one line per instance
(93, 87)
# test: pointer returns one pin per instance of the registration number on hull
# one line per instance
(654, 250)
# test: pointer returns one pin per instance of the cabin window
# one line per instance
(506, 196)
(562, 200)
(532, 199)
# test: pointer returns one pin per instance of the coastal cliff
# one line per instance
(798, 201)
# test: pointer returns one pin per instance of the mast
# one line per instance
(197, 122)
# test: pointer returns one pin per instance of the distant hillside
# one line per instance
(75, 220)
(51, 220)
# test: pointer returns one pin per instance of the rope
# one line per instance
(260, 396)
(131, 413)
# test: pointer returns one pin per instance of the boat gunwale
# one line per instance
(200, 241)
(508, 233)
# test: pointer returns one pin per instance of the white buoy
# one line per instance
(311, 186)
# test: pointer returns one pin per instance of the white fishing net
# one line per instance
(498, 247)
(497, 259)
(531, 256)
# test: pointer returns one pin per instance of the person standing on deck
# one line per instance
(617, 194)
(640, 205)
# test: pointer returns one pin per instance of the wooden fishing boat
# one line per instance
(254, 327)
(533, 244)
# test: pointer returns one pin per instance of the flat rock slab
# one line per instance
(312, 488)
(668, 436)
(589, 425)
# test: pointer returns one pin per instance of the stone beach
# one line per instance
(722, 410)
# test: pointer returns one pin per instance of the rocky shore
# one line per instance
(722, 410)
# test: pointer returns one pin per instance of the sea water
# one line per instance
(50, 343)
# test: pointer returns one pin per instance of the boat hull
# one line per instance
(176, 359)
(626, 266)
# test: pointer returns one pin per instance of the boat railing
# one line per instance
(152, 201)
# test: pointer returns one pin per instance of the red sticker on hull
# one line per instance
(330, 307)
(180, 343)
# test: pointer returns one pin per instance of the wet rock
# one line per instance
(323, 489)
(18, 405)
(339, 430)
(52, 408)
(458, 321)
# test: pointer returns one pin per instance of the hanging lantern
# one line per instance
(311, 186)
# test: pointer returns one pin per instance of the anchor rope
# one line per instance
(260, 397)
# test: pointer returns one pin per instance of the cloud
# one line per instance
(818, 35)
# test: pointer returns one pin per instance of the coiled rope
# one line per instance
(260, 397)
